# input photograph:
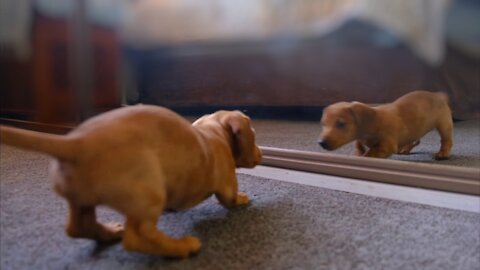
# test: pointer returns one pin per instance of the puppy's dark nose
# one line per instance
(324, 144)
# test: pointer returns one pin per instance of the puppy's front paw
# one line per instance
(242, 198)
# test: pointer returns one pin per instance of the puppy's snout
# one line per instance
(324, 144)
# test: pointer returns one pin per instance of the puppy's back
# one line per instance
(422, 110)
(425, 97)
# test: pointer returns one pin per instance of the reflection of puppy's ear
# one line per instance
(238, 124)
(362, 114)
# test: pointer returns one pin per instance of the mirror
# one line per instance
(280, 62)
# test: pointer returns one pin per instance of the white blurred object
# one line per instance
(16, 18)
(150, 23)
(420, 23)
(153, 22)
(15, 24)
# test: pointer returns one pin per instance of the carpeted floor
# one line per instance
(287, 226)
(303, 135)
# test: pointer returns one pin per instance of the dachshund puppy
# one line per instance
(391, 128)
(140, 161)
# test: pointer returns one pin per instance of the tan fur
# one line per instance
(391, 128)
(140, 161)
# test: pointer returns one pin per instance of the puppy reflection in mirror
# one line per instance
(394, 128)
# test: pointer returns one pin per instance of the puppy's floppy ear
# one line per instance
(363, 115)
(243, 139)
(235, 121)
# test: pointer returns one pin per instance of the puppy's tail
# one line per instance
(444, 97)
(58, 146)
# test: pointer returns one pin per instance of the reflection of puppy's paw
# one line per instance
(358, 153)
(405, 150)
(242, 198)
(441, 156)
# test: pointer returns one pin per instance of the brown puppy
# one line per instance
(140, 161)
(391, 128)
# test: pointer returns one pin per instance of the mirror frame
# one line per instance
(430, 176)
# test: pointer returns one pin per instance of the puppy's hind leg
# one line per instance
(142, 235)
(82, 223)
(445, 129)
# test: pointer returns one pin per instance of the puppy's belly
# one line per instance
(412, 136)
(177, 204)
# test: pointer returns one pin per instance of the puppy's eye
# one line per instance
(340, 124)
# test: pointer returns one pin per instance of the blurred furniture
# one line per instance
(356, 62)
(290, 54)
(39, 87)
